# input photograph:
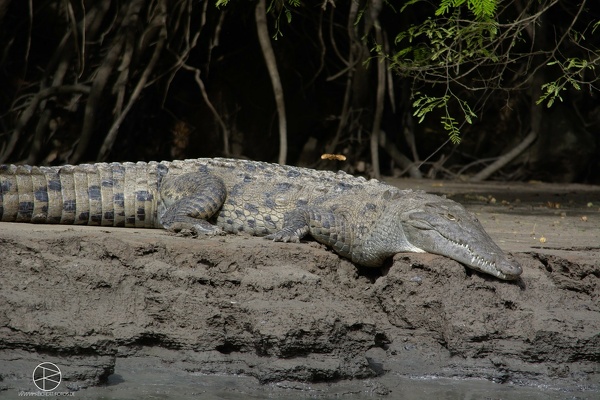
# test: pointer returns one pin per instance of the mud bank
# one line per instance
(86, 297)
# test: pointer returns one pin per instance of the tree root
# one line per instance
(505, 159)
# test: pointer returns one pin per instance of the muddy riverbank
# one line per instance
(87, 297)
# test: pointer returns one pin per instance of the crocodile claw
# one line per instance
(283, 236)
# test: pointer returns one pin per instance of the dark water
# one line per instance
(134, 381)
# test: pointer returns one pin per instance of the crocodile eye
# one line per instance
(450, 217)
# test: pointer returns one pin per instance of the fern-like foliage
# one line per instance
(424, 104)
(444, 45)
(482, 9)
(573, 70)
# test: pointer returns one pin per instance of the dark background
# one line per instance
(64, 88)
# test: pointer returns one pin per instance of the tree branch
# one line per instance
(265, 44)
(379, 103)
(32, 109)
(505, 159)
(158, 21)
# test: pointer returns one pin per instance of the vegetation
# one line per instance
(288, 80)
(495, 49)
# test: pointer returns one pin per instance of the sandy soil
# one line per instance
(85, 297)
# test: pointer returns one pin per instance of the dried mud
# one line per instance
(85, 297)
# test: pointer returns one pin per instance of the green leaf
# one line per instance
(288, 14)
(409, 3)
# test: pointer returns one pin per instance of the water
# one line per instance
(135, 381)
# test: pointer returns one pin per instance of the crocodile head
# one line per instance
(442, 226)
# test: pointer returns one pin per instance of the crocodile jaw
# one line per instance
(481, 257)
(451, 231)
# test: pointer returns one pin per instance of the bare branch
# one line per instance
(32, 109)
(95, 98)
(505, 158)
(226, 149)
(158, 21)
(265, 44)
(379, 104)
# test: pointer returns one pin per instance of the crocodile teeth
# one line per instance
(475, 258)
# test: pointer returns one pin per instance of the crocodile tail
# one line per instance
(116, 194)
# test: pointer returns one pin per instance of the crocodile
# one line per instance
(366, 221)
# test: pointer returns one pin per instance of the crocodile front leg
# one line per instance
(325, 226)
(187, 201)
